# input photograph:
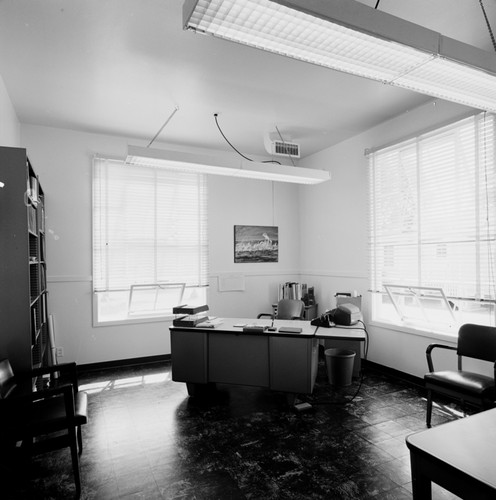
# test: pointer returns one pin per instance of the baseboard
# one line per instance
(124, 363)
(411, 379)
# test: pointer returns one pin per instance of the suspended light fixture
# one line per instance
(189, 162)
(349, 36)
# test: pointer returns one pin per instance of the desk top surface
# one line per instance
(468, 445)
(236, 325)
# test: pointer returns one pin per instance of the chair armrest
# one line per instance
(63, 367)
(268, 315)
(49, 392)
(67, 369)
(429, 349)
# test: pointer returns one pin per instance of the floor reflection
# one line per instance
(147, 439)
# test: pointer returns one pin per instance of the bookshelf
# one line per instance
(23, 296)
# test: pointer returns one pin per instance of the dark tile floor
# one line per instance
(147, 440)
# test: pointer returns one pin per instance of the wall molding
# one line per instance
(334, 274)
(324, 274)
(248, 274)
(69, 279)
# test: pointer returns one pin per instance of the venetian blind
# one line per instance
(433, 211)
(149, 226)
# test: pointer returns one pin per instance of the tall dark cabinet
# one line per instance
(23, 292)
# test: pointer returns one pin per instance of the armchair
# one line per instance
(42, 420)
(474, 341)
(287, 309)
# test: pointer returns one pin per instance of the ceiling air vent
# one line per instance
(283, 148)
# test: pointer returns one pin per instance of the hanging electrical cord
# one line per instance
(240, 154)
(377, 4)
(491, 34)
(345, 401)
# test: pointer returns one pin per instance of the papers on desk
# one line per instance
(210, 323)
(290, 329)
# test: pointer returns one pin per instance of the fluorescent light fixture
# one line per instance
(202, 164)
(349, 36)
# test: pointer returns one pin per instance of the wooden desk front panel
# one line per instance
(293, 364)
(189, 356)
(238, 359)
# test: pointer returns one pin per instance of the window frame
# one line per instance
(484, 130)
(154, 199)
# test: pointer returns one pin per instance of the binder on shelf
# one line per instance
(297, 291)
(32, 227)
(34, 189)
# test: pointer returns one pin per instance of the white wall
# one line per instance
(62, 159)
(322, 230)
(334, 225)
(10, 128)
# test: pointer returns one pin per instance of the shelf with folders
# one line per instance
(23, 301)
(297, 291)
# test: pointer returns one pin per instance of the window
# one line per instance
(433, 228)
(150, 248)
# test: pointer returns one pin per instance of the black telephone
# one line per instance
(344, 314)
(325, 320)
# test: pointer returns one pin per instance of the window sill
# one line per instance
(410, 330)
(133, 321)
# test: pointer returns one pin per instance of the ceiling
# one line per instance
(120, 67)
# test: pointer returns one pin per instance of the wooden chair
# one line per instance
(474, 341)
(46, 419)
(287, 309)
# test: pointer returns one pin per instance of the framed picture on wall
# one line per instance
(256, 244)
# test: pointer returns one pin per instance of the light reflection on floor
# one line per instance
(120, 383)
(147, 439)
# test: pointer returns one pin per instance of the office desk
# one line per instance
(459, 456)
(285, 362)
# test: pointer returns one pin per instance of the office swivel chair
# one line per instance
(474, 341)
(42, 420)
(287, 309)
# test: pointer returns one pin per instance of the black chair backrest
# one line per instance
(289, 309)
(477, 341)
(7, 380)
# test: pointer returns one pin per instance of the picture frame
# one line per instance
(256, 244)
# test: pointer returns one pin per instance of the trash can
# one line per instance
(339, 364)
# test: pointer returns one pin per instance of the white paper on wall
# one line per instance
(231, 282)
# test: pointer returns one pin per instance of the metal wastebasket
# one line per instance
(339, 364)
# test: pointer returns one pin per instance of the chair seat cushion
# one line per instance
(50, 413)
(464, 382)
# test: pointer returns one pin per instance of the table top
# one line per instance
(468, 445)
(236, 325)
